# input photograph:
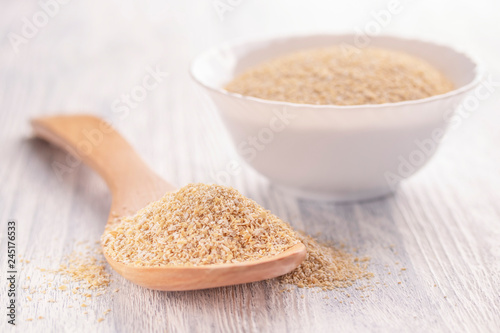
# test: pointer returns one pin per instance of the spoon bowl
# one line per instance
(133, 185)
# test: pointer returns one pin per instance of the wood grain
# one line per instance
(442, 226)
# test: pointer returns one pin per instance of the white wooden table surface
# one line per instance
(443, 225)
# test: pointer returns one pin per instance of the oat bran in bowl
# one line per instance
(346, 144)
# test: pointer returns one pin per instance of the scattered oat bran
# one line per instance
(81, 272)
(326, 267)
(198, 225)
(86, 270)
(336, 77)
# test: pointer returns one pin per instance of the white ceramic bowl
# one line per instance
(340, 152)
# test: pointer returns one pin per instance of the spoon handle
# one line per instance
(97, 144)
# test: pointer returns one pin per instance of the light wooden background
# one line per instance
(443, 225)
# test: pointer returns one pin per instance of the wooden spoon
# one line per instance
(133, 185)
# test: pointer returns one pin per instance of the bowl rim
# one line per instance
(478, 73)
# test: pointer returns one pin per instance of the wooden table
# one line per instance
(443, 225)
